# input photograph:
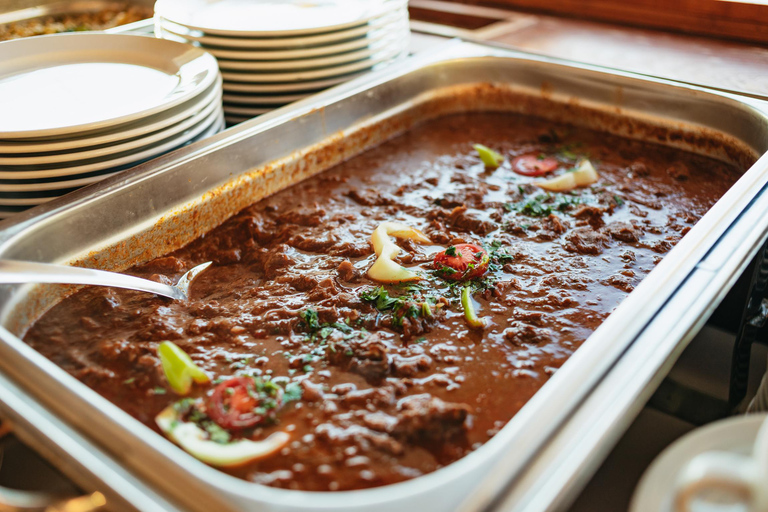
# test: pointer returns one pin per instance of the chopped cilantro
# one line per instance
(157, 390)
(451, 251)
(310, 319)
(380, 298)
(216, 433)
(292, 393)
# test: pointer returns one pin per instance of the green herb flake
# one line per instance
(129, 381)
(310, 318)
(451, 251)
(216, 433)
(157, 390)
(293, 392)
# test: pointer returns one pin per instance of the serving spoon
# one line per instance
(17, 272)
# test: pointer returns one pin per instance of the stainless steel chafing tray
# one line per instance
(546, 450)
(19, 11)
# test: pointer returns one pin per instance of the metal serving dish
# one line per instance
(18, 11)
(569, 424)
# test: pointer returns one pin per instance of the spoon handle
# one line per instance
(15, 272)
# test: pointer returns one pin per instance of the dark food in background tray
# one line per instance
(391, 389)
(75, 22)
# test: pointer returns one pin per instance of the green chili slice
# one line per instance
(179, 368)
(469, 309)
(489, 157)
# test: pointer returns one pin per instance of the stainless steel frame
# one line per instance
(544, 452)
(13, 11)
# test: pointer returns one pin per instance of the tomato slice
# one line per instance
(241, 402)
(532, 165)
(462, 261)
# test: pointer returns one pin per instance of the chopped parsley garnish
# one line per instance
(292, 393)
(311, 323)
(216, 433)
(310, 319)
(451, 251)
(381, 299)
(402, 307)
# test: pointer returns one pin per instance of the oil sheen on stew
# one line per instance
(375, 387)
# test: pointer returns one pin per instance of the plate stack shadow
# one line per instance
(78, 108)
(272, 53)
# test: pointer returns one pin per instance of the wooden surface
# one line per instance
(737, 19)
(718, 63)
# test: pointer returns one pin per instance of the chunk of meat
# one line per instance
(679, 171)
(519, 333)
(277, 261)
(302, 216)
(552, 227)
(592, 214)
(348, 272)
(410, 366)
(427, 417)
(366, 357)
(357, 435)
(623, 231)
(586, 241)
(462, 220)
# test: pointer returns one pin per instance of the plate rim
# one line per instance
(307, 64)
(677, 454)
(135, 143)
(147, 153)
(116, 136)
(327, 72)
(383, 9)
(294, 43)
(190, 53)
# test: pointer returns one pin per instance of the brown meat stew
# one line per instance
(383, 383)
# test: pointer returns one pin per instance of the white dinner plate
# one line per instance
(135, 145)
(116, 134)
(263, 100)
(114, 161)
(57, 189)
(319, 74)
(273, 18)
(309, 64)
(303, 53)
(655, 492)
(284, 43)
(63, 84)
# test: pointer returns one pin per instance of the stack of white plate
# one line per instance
(76, 108)
(274, 52)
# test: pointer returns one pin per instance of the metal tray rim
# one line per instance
(246, 131)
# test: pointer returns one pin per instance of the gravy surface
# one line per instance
(389, 392)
